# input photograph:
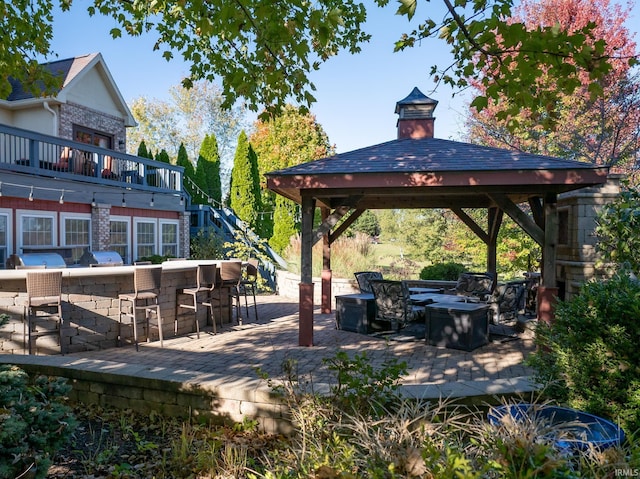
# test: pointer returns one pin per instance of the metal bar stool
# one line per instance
(230, 277)
(249, 282)
(146, 281)
(44, 292)
(205, 283)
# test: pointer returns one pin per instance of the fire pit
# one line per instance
(577, 430)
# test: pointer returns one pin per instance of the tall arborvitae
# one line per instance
(189, 171)
(209, 151)
(143, 152)
(163, 156)
(244, 194)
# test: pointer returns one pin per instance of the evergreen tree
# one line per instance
(209, 152)
(284, 223)
(189, 171)
(163, 156)
(289, 139)
(143, 152)
(244, 194)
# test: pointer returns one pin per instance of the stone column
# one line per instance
(100, 230)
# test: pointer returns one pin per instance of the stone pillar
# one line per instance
(184, 248)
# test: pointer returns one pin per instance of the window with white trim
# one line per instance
(76, 233)
(119, 237)
(169, 238)
(145, 236)
(5, 236)
(37, 229)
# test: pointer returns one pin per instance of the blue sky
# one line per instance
(356, 93)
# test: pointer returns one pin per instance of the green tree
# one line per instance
(143, 152)
(285, 223)
(187, 118)
(209, 153)
(244, 190)
(163, 156)
(266, 55)
(618, 230)
(289, 139)
(189, 171)
(367, 223)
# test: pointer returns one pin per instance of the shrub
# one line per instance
(34, 422)
(589, 355)
(444, 271)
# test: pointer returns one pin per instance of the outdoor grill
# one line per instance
(101, 258)
(35, 260)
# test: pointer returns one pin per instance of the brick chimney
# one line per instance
(415, 116)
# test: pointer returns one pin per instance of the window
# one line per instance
(77, 234)
(119, 238)
(5, 235)
(36, 230)
(169, 239)
(92, 137)
(145, 239)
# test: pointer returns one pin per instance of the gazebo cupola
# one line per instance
(416, 118)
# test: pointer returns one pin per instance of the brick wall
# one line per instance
(74, 114)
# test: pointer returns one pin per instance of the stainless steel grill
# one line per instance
(35, 260)
(101, 258)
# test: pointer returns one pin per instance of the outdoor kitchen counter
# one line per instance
(90, 305)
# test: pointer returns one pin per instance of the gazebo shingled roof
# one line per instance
(419, 171)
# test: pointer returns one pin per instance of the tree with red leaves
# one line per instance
(598, 123)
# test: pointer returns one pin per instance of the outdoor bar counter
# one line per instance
(90, 306)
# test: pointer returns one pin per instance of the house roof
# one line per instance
(431, 172)
(72, 70)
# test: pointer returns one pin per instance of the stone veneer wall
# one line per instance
(90, 311)
(288, 287)
(576, 260)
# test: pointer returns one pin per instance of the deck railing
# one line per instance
(29, 152)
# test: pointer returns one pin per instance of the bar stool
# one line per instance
(44, 292)
(230, 277)
(146, 281)
(205, 283)
(249, 281)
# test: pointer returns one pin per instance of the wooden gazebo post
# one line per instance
(305, 333)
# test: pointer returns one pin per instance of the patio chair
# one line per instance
(507, 301)
(146, 282)
(230, 276)
(475, 286)
(44, 293)
(364, 279)
(393, 307)
(248, 283)
(205, 283)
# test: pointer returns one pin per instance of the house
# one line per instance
(66, 182)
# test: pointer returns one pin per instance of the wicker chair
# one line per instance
(393, 307)
(205, 283)
(475, 286)
(364, 279)
(44, 293)
(146, 280)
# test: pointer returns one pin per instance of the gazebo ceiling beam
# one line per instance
(332, 219)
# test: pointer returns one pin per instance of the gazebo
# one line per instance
(419, 171)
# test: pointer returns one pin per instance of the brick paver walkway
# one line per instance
(238, 351)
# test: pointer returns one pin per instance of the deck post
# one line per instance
(548, 290)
